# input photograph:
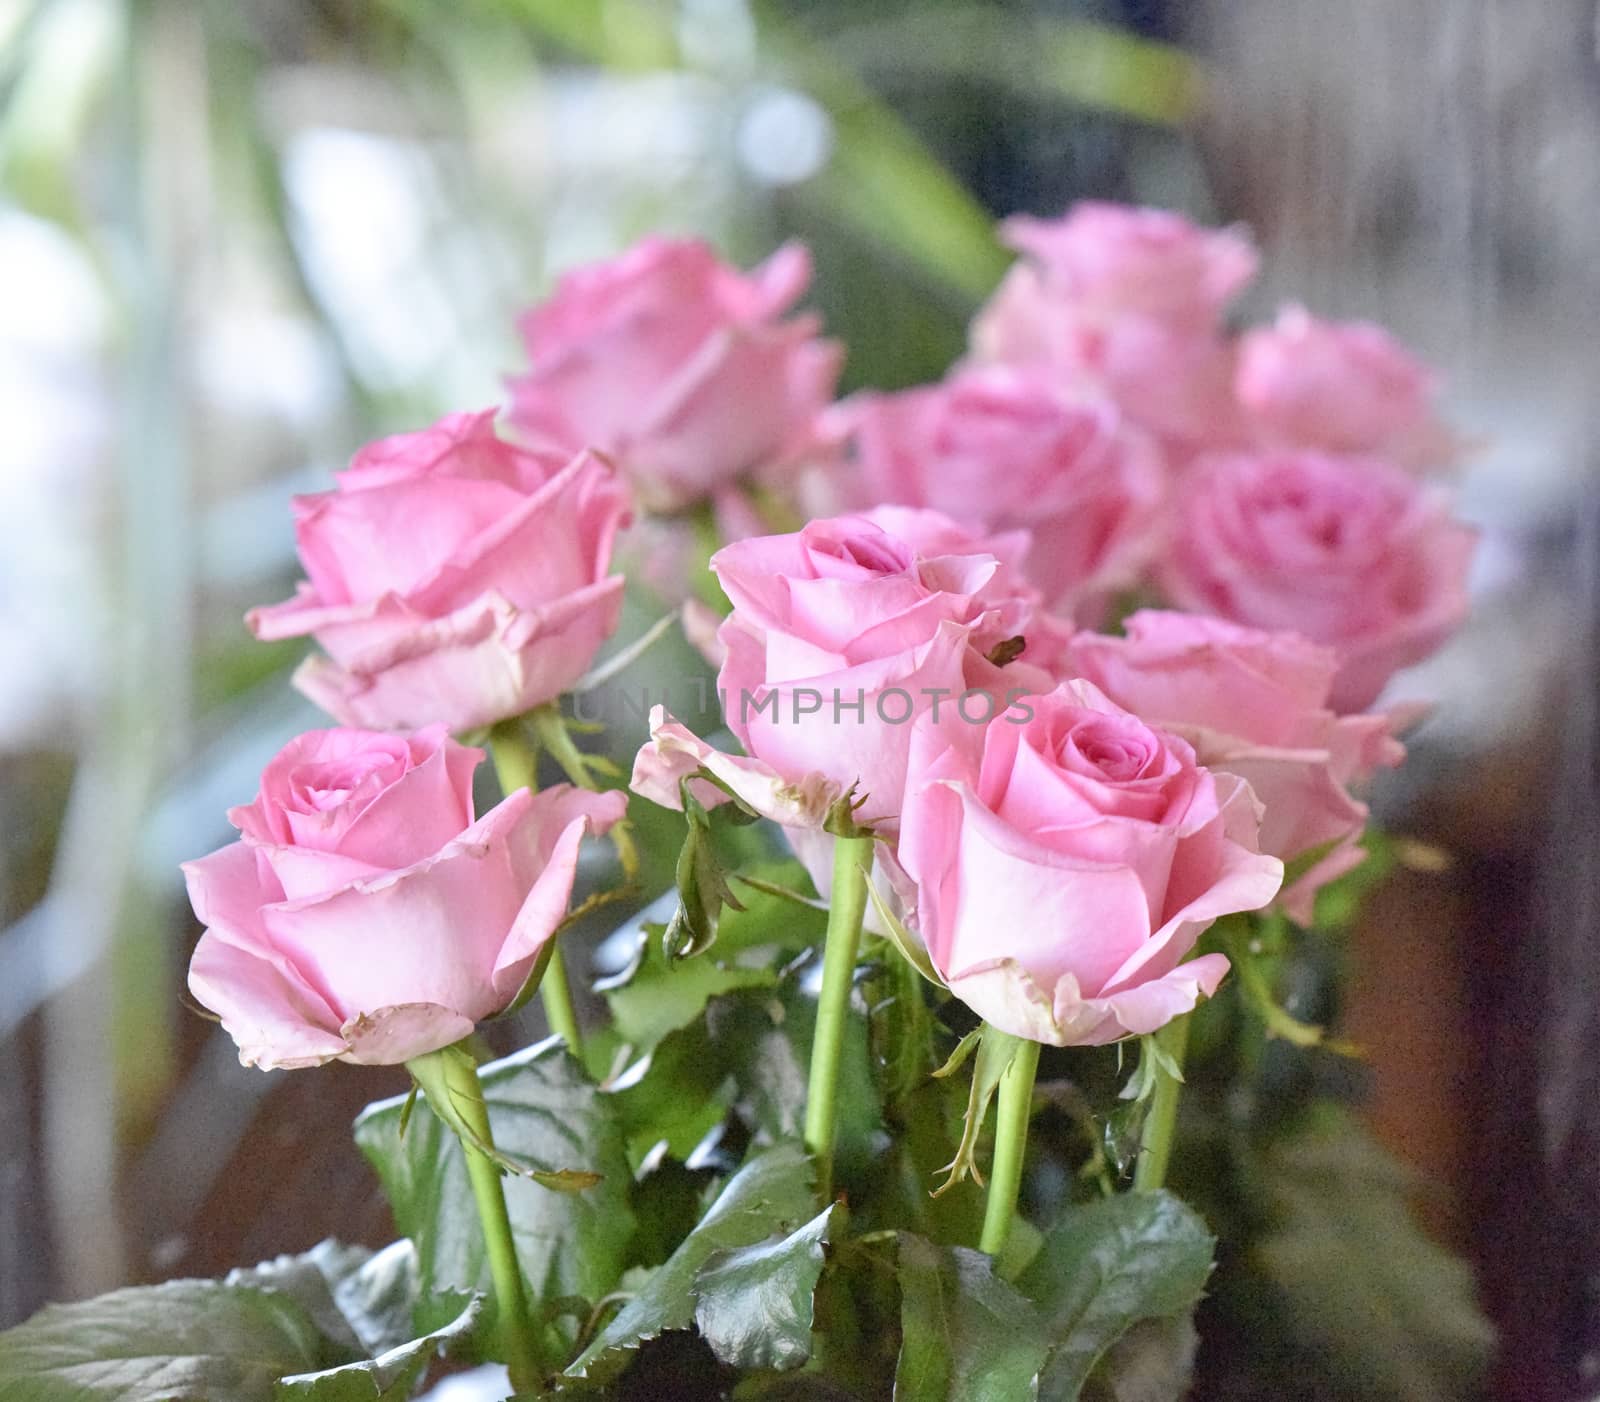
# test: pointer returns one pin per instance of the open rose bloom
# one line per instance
(843, 633)
(1253, 704)
(1065, 871)
(1000, 448)
(679, 367)
(365, 914)
(1343, 387)
(452, 577)
(1348, 552)
(1126, 303)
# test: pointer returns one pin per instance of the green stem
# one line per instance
(1160, 1126)
(516, 766)
(551, 729)
(1010, 1146)
(852, 856)
(449, 1079)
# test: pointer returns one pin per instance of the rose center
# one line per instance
(1117, 754)
(319, 788)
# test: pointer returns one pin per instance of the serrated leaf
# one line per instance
(393, 1373)
(333, 1322)
(966, 1335)
(772, 1193)
(544, 1111)
(186, 1341)
(314, 1278)
(1102, 1268)
(766, 1040)
(754, 1304)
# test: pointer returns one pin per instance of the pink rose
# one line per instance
(1064, 872)
(844, 632)
(364, 915)
(1342, 387)
(1253, 704)
(1125, 303)
(1112, 259)
(678, 366)
(1349, 552)
(453, 578)
(1002, 448)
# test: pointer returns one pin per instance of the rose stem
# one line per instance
(1010, 1145)
(1155, 1145)
(515, 764)
(449, 1079)
(553, 734)
(851, 858)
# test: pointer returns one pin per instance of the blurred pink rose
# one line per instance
(1342, 387)
(1349, 552)
(998, 447)
(1254, 704)
(1065, 871)
(453, 578)
(1127, 303)
(364, 915)
(677, 365)
(1114, 259)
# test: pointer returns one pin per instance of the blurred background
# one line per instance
(238, 241)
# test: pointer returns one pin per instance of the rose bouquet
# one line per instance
(1046, 711)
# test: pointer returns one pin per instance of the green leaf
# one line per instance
(754, 1304)
(364, 1302)
(675, 1094)
(654, 995)
(545, 1112)
(334, 1323)
(186, 1341)
(901, 1023)
(1255, 946)
(394, 1371)
(1152, 1362)
(1359, 1278)
(703, 889)
(965, 1334)
(995, 1051)
(751, 1052)
(767, 1042)
(771, 1193)
(315, 1279)
(1105, 1266)
(914, 952)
